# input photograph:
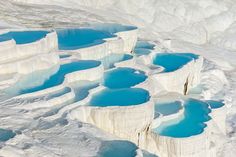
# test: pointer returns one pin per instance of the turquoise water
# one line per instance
(141, 51)
(109, 61)
(195, 114)
(24, 37)
(215, 104)
(58, 93)
(6, 135)
(59, 76)
(117, 149)
(71, 39)
(144, 45)
(173, 61)
(81, 89)
(113, 28)
(123, 78)
(168, 108)
(64, 56)
(120, 97)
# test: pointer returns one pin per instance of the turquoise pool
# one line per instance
(168, 108)
(71, 39)
(58, 77)
(113, 27)
(109, 61)
(193, 123)
(120, 97)
(173, 61)
(215, 104)
(24, 37)
(6, 135)
(123, 78)
(144, 45)
(117, 148)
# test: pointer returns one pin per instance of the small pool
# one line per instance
(123, 78)
(168, 108)
(6, 135)
(141, 51)
(109, 61)
(173, 61)
(64, 56)
(215, 104)
(120, 97)
(144, 45)
(117, 148)
(58, 77)
(195, 114)
(72, 39)
(24, 37)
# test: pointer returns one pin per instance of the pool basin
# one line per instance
(119, 97)
(6, 135)
(24, 37)
(123, 78)
(192, 123)
(72, 39)
(173, 61)
(59, 76)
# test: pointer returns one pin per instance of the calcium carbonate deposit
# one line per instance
(117, 78)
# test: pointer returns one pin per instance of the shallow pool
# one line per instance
(71, 39)
(215, 104)
(23, 37)
(167, 108)
(58, 77)
(117, 148)
(113, 27)
(6, 135)
(120, 97)
(195, 114)
(109, 61)
(144, 45)
(123, 78)
(173, 61)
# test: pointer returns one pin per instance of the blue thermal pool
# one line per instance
(58, 77)
(117, 148)
(173, 61)
(141, 51)
(113, 28)
(215, 104)
(64, 56)
(193, 122)
(109, 60)
(23, 37)
(120, 97)
(6, 135)
(168, 108)
(71, 39)
(144, 45)
(123, 78)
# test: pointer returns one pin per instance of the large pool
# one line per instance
(71, 39)
(173, 61)
(23, 37)
(58, 77)
(123, 78)
(120, 97)
(192, 123)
